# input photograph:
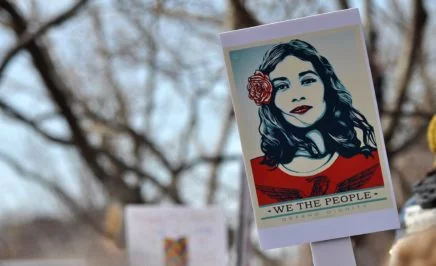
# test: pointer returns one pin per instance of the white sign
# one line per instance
(175, 236)
(310, 131)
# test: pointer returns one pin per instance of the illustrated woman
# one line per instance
(314, 141)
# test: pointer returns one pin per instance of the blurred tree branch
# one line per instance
(219, 149)
(414, 114)
(407, 61)
(208, 159)
(56, 87)
(141, 138)
(112, 125)
(58, 91)
(148, 176)
(418, 134)
(182, 14)
(239, 16)
(56, 190)
(343, 4)
(26, 38)
(33, 124)
(424, 115)
(373, 54)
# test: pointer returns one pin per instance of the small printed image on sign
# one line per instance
(175, 236)
(176, 251)
(309, 125)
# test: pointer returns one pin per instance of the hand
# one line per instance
(416, 249)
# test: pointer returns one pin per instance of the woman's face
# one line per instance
(300, 92)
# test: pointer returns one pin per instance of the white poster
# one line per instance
(175, 236)
(310, 130)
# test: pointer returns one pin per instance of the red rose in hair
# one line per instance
(259, 88)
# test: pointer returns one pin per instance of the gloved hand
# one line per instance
(416, 249)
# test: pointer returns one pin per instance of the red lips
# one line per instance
(302, 109)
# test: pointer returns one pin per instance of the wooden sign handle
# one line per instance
(334, 252)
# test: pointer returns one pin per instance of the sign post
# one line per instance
(243, 234)
(334, 252)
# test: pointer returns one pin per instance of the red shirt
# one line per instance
(346, 174)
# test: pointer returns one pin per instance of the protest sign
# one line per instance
(175, 236)
(310, 131)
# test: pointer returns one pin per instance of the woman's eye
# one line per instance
(282, 86)
(308, 81)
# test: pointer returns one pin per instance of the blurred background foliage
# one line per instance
(106, 103)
